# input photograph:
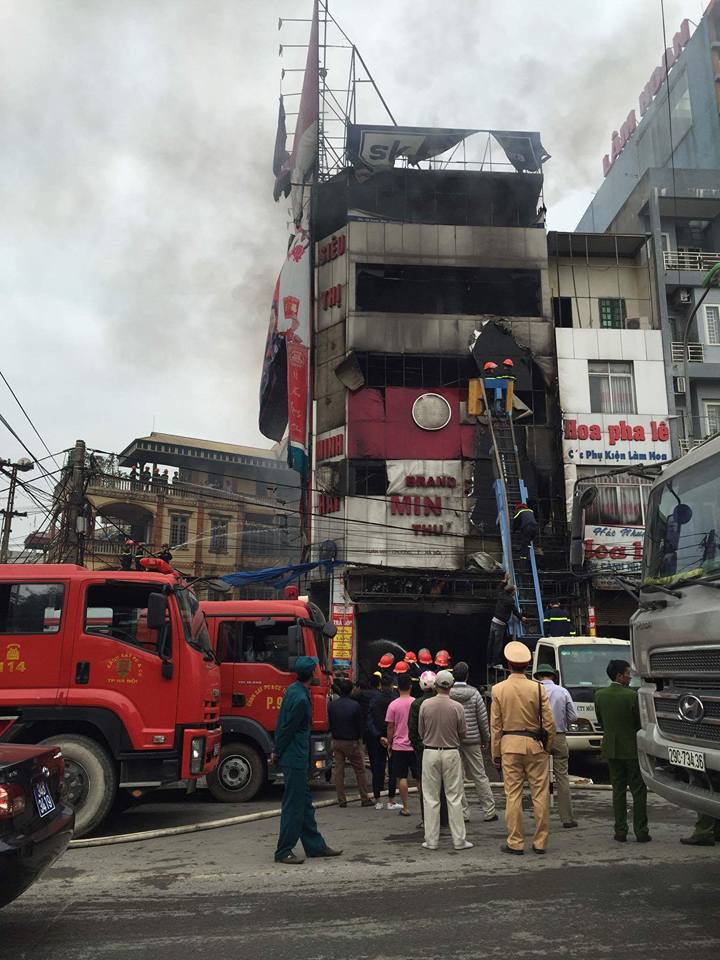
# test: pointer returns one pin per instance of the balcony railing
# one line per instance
(687, 445)
(695, 352)
(682, 260)
(113, 485)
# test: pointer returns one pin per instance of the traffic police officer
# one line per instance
(522, 731)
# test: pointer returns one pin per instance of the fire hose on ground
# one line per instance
(245, 818)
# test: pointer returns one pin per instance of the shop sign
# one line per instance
(651, 88)
(425, 476)
(603, 438)
(430, 492)
(329, 250)
(327, 447)
(343, 616)
(332, 297)
(614, 549)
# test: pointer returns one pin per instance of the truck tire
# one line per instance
(90, 779)
(239, 775)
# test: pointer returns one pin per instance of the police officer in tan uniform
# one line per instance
(519, 716)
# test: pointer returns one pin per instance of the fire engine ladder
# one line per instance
(510, 489)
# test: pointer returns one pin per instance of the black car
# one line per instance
(35, 825)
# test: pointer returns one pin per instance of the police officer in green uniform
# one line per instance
(618, 713)
(706, 832)
(292, 753)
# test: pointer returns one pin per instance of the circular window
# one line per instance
(431, 411)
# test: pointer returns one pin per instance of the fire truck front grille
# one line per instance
(685, 662)
(689, 732)
(212, 711)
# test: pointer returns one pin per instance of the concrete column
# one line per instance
(199, 534)
(657, 251)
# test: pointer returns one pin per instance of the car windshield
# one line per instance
(683, 526)
(586, 666)
(193, 620)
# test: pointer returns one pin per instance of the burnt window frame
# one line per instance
(367, 478)
(440, 289)
(562, 311)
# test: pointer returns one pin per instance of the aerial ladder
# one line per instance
(496, 394)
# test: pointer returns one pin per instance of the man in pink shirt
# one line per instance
(402, 755)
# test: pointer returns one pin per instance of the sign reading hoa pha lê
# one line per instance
(598, 438)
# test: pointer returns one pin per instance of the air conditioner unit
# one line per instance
(679, 384)
(637, 323)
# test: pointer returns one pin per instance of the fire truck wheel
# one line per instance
(90, 779)
(238, 776)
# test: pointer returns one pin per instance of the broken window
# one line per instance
(472, 291)
(368, 478)
(562, 311)
(413, 370)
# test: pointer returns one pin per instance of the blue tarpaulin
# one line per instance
(278, 576)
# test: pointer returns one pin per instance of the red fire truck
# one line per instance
(116, 669)
(257, 643)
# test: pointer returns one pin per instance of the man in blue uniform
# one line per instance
(292, 753)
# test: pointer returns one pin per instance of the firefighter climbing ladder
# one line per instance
(510, 489)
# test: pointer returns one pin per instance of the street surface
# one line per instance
(219, 894)
(161, 809)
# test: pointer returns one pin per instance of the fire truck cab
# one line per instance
(257, 643)
(116, 669)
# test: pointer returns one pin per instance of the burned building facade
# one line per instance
(412, 266)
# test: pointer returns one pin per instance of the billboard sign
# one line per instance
(343, 616)
(603, 438)
(285, 380)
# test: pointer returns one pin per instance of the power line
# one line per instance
(25, 447)
(27, 417)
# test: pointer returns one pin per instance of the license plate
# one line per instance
(43, 799)
(690, 759)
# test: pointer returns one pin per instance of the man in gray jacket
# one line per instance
(471, 748)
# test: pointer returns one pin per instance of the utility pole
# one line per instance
(9, 513)
(75, 520)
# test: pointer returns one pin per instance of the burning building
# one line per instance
(407, 271)
(412, 267)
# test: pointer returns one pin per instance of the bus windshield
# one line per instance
(683, 526)
(586, 665)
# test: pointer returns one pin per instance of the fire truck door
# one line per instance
(261, 658)
(117, 664)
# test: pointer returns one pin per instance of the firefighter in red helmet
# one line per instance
(425, 658)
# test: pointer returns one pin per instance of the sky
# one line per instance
(140, 242)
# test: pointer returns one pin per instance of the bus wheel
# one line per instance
(90, 779)
(239, 775)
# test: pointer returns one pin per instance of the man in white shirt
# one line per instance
(564, 713)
